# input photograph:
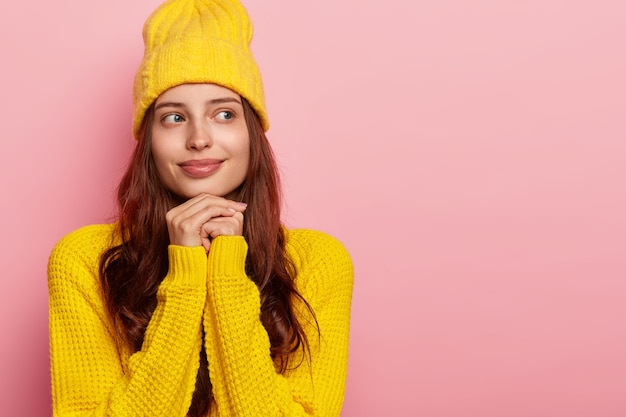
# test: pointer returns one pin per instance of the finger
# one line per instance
(202, 201)
(224, 226)
(208, 199)
(206, 242)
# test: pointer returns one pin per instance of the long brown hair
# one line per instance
(132, 271)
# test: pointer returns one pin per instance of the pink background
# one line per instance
(470, 154)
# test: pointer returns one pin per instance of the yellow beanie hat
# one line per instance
(197, 41)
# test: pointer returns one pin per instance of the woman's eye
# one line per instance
(173, 118)
(225, 115)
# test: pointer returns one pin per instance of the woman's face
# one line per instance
(200, 141)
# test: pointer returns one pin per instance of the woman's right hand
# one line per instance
(203, 217)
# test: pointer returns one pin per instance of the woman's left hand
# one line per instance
(221, 226)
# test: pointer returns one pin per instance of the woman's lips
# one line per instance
(199, 168)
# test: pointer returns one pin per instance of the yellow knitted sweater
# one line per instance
(93, 376)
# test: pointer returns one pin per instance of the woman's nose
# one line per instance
(199, 136)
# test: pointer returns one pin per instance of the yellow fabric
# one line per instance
(198, 41)
(92, 376)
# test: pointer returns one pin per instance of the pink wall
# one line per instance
(470, 154)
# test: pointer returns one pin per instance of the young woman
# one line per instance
(197, 301)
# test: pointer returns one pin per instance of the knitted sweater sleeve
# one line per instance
(245, 381)
(90, 376)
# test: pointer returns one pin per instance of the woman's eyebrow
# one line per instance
(168, 104)
(224, 100)
(213, 101)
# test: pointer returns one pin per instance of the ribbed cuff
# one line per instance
(187, 266)
(227, 256)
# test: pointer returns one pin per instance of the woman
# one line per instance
(197, 301)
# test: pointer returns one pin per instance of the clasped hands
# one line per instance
(202, 218)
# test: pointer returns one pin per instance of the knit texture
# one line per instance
(92, 375)
(198, 41)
